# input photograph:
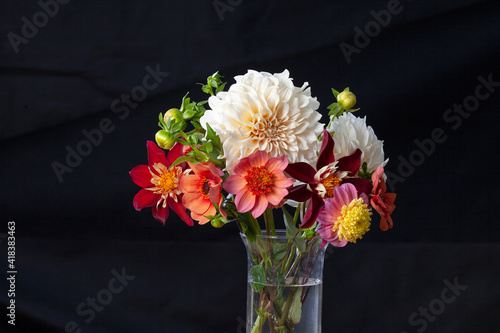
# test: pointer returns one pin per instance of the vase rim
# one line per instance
(280, 233)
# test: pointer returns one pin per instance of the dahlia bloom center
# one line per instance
(354, 221)
(166, 181)
(272, 130)
(330, 183)
(259, 180)
(205, 186)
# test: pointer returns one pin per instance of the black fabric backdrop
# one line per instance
(70, 73)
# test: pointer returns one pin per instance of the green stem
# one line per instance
(297, 212)
(253, 224)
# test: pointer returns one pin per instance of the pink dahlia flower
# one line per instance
(258, 181)
(345, 217)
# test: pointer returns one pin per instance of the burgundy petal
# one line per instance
(361, 185)
(312, 211)
(301, 171)
(326, 155)
(141, 175)
(299, 193)
(155, 154)
(350, 163)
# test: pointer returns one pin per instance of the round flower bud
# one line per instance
(175, 114)
(217, 222)
(176, 117)
(164, 139)
(346, 99)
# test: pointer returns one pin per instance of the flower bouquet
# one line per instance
(261, 149)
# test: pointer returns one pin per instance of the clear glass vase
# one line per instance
(285, 284)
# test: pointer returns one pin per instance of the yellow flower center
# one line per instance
(168, 181)
(330, 183)
(354, 221)
(259, 180)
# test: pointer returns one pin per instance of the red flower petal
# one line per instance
(141, 175)
(145, 199)
(156, 155)
(181, 211)
(161, 213)
(174, 153)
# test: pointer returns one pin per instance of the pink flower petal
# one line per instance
(234, 184)
(276, 195)
(277, 164)
(242, 167)
(260, 206)
(281, 181)
(259, 158)
(244, 201)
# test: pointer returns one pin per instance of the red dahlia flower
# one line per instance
(380, 200)
(160, 183)
(320, 182)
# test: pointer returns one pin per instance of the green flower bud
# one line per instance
(175, 114)
(217, 222)
(346, 99)
(164, 139)
(176, 117)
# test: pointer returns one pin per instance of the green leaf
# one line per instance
(293, 232)
(214, 138)
(258, 278)
(335, 93)
(279, 251)
(184, 159)
(296, 308)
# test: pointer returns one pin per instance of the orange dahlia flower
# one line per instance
(201, 190)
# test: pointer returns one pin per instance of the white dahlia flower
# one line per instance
(264, 111)
(350, 132)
